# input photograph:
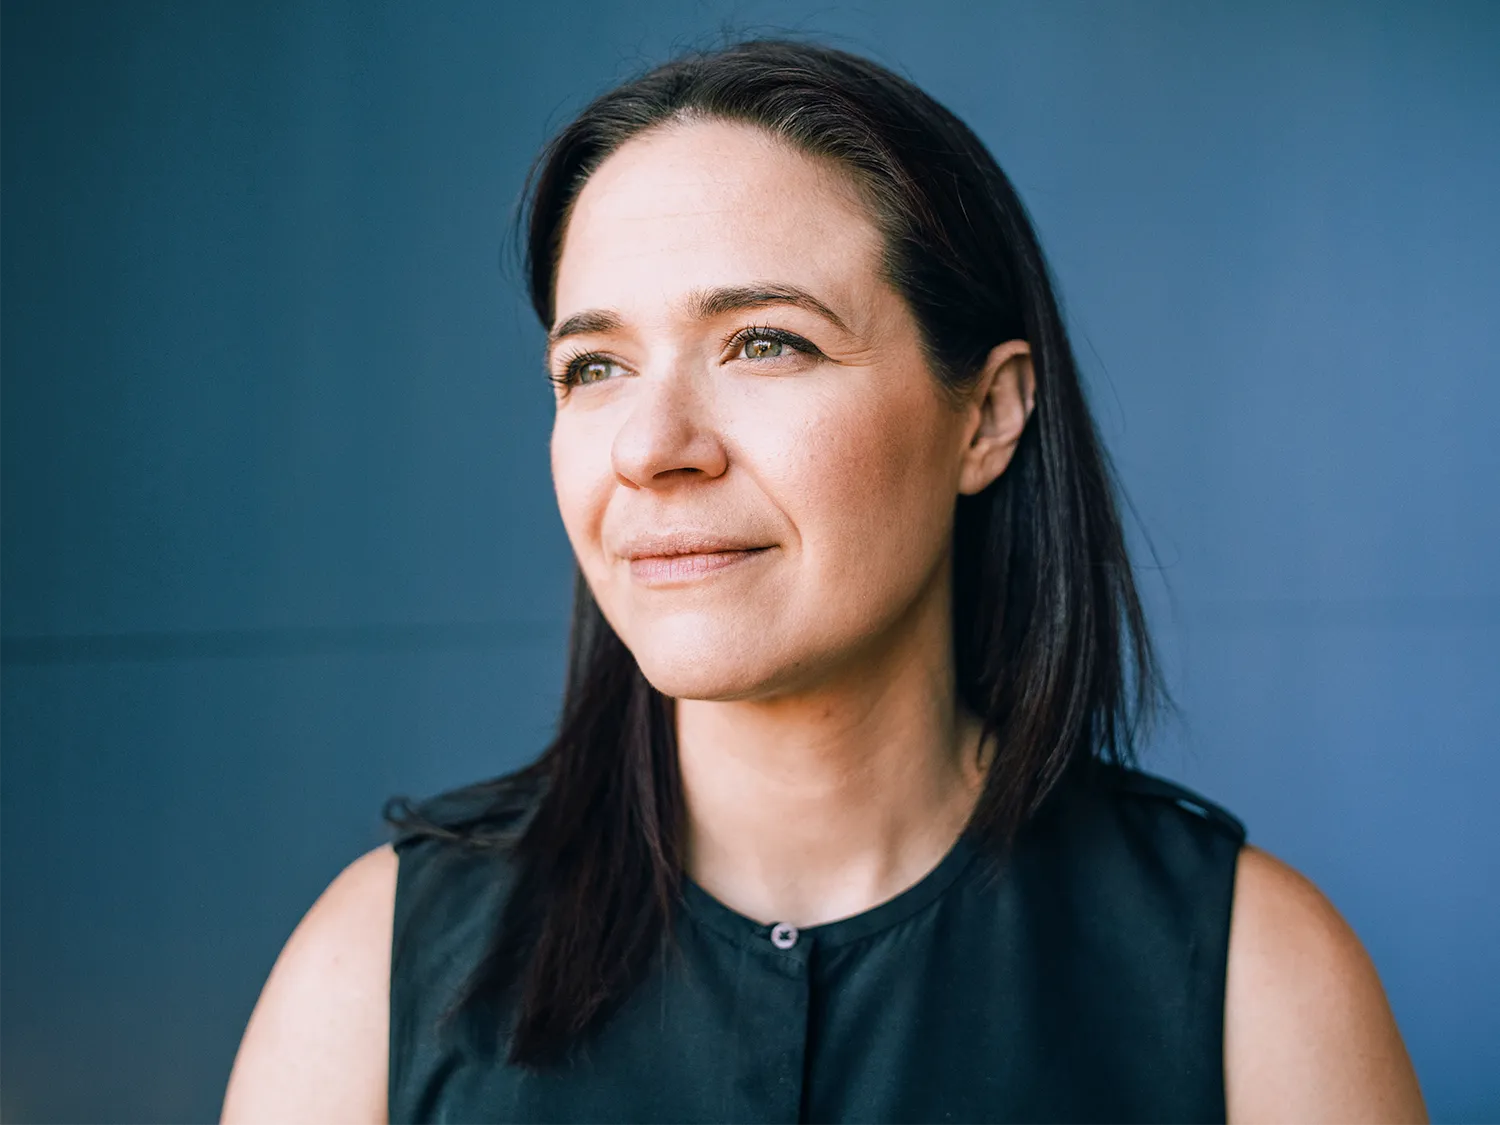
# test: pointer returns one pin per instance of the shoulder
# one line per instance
(1148, 852)
(1308, 1032)
(455, 851)
(315, 1046)
(484, 813)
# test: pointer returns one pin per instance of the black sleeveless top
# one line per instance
(1081, 979)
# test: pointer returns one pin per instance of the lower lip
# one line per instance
(682, 568)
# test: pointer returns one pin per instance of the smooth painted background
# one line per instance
(279, 538)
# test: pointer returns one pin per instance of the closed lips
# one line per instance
(654, 547)
(673, 563)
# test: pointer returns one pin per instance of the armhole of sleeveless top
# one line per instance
(1217, 912)
(426, 861)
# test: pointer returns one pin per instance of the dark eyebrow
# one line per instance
(705, 304)
(715, 302)
(590, 320)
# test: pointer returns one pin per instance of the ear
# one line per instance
(1002, 400)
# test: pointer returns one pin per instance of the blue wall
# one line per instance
(279, 537)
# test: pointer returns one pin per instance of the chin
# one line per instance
(688, 675)
(699, 663)
(685, 681)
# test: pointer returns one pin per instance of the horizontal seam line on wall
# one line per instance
(275, 641)
(1307, 613)
(1438, 612)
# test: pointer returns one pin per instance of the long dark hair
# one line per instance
(1050, 640)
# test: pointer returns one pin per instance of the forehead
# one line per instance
(695, 206)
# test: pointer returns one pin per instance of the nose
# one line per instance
(668, 435)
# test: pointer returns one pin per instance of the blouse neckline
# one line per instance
(924, 892)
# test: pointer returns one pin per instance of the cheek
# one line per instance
(876, 472)
(581, 480)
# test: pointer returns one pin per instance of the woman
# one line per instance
(838, 823)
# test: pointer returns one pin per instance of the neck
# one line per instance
(818, 805)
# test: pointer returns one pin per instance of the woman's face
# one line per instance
(754, 463)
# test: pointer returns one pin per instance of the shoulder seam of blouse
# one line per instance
(1150, 785)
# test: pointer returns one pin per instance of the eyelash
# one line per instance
(574, 363)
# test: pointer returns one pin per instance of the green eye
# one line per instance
(589, 369)
(594, 371)
(761, 347)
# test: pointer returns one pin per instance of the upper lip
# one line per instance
(665, 544)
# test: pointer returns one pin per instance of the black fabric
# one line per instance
(1082, 979)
